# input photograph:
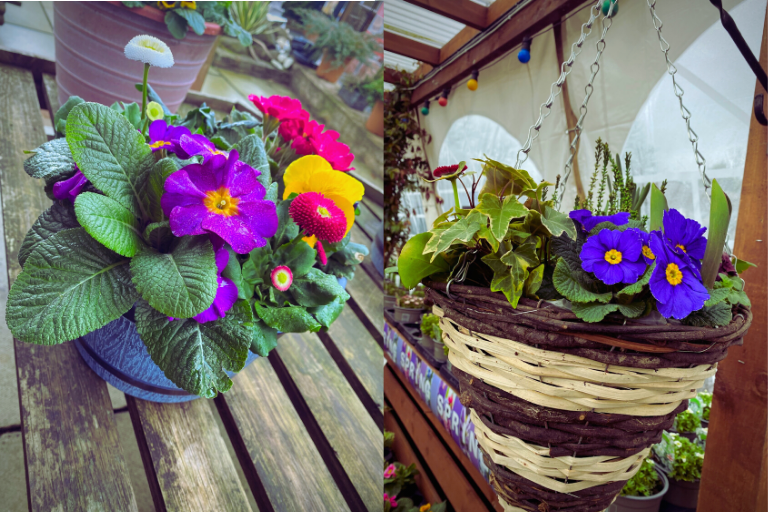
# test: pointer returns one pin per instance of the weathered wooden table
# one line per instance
(305, 423)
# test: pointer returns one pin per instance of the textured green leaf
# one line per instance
(196, 356)
(574, 285)
(338, 269)
(57, 218)
(287, 230)
(252, 152)
(177, 25)
(413, 265)
(159, 235)
(71, 285)
(710, 316)
(637, 287)
(151, 187)
(194, 19)
(352, 254)
(110, 152)
(297, 256)
(593, 311)
(633, 310)
(717, 295)
(271, 194)
(287, 319)
(658, 207)
(316, 288)
(500, 213)
(557, 223)
(719, 218)
(533, 281)
(328, 313)
(264, 339)
(508, 278)
(60, 117)
(256, 268)
(463, 231)
(181, 283)
(234, 272)
(547, 289)
(110, 223)
(566, 248)
(51, 162)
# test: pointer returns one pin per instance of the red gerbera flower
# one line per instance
(446, 170)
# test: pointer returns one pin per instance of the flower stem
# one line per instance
(144, 93)
(457, 204)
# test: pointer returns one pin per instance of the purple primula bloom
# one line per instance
(589, 221)
(675, 282)
(222, 198)
(685, 236)
(226, 294)
(70, 188)
(192, 145)
(163, 136)
(614, 256)
(648, 255)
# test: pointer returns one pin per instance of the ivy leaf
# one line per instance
(525, 254)
(316, 288)
(110, 223)
(298, 256)
(110, 153)
(592, 311)
(51, 162)
(633, 310)
(485, 234)
(71, 285)
(557, 223)
(194, 19)
(533, 281)
(181, 283)
(57, 218)
(252, 152)
(710, 316)
(507, 278)
(741, 265)
(500, 213)
(196, 356)
(575, 285)
(463, 231)
(434, 240)
(288, 318)
(264, 339)
(328, 313)
(413, 265)
(637, 287)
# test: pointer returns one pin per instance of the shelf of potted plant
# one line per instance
(682, 461)
(644, 491)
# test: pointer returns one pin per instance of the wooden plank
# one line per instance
(411, 48)
(280, 461)
(365, 292)
(186, 458)
(350, 430)
(368, 223)
(73, 456)
(737, 429)
(530, 19)
(449, 475)
(464, 36)
(467, 12)
(51, 91)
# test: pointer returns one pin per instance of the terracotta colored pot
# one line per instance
(375, 123)
(91, 37)
(326, 71)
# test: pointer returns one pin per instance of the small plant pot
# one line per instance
(353, 99)
(390, 302)
(439, 352)
(704, 424)
(683, 494)
(375, 123)
(641, 503)
(408, 315)
(327, 71)
(427, 342)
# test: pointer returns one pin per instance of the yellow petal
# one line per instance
(298, 174)
(311, 240)
(337, 183)
(347, 207)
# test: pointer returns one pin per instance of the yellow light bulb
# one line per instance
(472, 84)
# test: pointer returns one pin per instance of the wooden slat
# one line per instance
(73, 456)
(351, 432)
(467, 12)
(411, 48)
(183, 449)
(368, 222)
(51, 91)
(731, 478)
(282, 462)
(463, 37)
(365, 292)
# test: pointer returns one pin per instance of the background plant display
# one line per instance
(192, 223)
(682, 458)
(646, 481)
(337, 40)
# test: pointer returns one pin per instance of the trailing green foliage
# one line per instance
(646, 481)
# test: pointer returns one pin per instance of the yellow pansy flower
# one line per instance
(166, 5)
(189, 5)
(314, 174)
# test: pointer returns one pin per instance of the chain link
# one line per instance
(557, 87)
(606, 23)
(671, 69)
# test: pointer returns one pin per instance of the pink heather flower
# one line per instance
(282, 278)
(318, 216)
(70, 188)
(390, 471)
(279, 107)
(391, 500)
(220, 197)
(303, 141)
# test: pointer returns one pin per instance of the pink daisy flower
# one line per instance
(282, 278)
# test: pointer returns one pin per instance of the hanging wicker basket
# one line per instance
(566, 411)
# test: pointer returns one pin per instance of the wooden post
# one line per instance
(734, 466)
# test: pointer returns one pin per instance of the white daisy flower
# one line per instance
(149, 50)
(700, 455)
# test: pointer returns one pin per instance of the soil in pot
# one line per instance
(375, 123)
(408, 315)
(683, 494)
(642, 503)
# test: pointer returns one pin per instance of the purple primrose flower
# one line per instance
(589, 221)
(648, 255)
(70, 188)
(226, 294)
(222, 198)
(675, 282)
(685, 236)
(163, 136)
(192, 145)
(614, 256)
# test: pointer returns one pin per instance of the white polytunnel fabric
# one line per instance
(633, 106)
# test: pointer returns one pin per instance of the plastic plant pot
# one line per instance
(408, 315)
(641, 503)
(427, 342)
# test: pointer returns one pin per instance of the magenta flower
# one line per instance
(226, 294)
(318, 216)
(336, 153)
(390, 471)
(191, 145)
(279, 107)
(70, 188)
(390, 499)
(222, 198)
(163, 136)
(282, 278)
(302, 142)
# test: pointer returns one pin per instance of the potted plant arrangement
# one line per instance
(353, 92)
(597, 324)
(702, 404)
(430, 331)
(644, 491)
(409, 308)
(401, 493)
(375, 97)
(88, 67)
(686, 424)
(176, 250)
(682, 461)
(391, 291)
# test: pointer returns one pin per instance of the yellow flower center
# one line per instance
(681, 247)
(648, 253)
(220, 202)
(282, 277)
(160, 144)
(323, 211)
(674, 276)
(151, 45)
(613, 257)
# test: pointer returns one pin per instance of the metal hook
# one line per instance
(759, 114)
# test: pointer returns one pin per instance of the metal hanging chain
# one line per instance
(606, 23)
(671, 69)
(557, 87)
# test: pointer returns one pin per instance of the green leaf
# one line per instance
(498, 175)
(264, 339)
(252, 152)
(151, 186)
(159, 235)
(181, 283)
(533, 281)
(710, 316)
(592, 311)
(176, 24)
(60, 118)
(557, 223)
(741, 265)
(633, 310)
(288, 318)
(196, 356)
(574, 285)
(658, 207)
(508, 278)
(352, 254)
(257, 265)
(500, 213)
(297, 256)
(194, 19)
(717, 295)
(51, 161)
(57, 218)
(234, 272)
(153, 96)
(271, 194)
(524, 253)
(463, 231)
(485, 234)
(328, 313)
(71, 285)
(110, 152)
(434, 240)
(637, 287)
(316, 288)
(719, 218)
(413, 265)
(109, 223)
(287, 230)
